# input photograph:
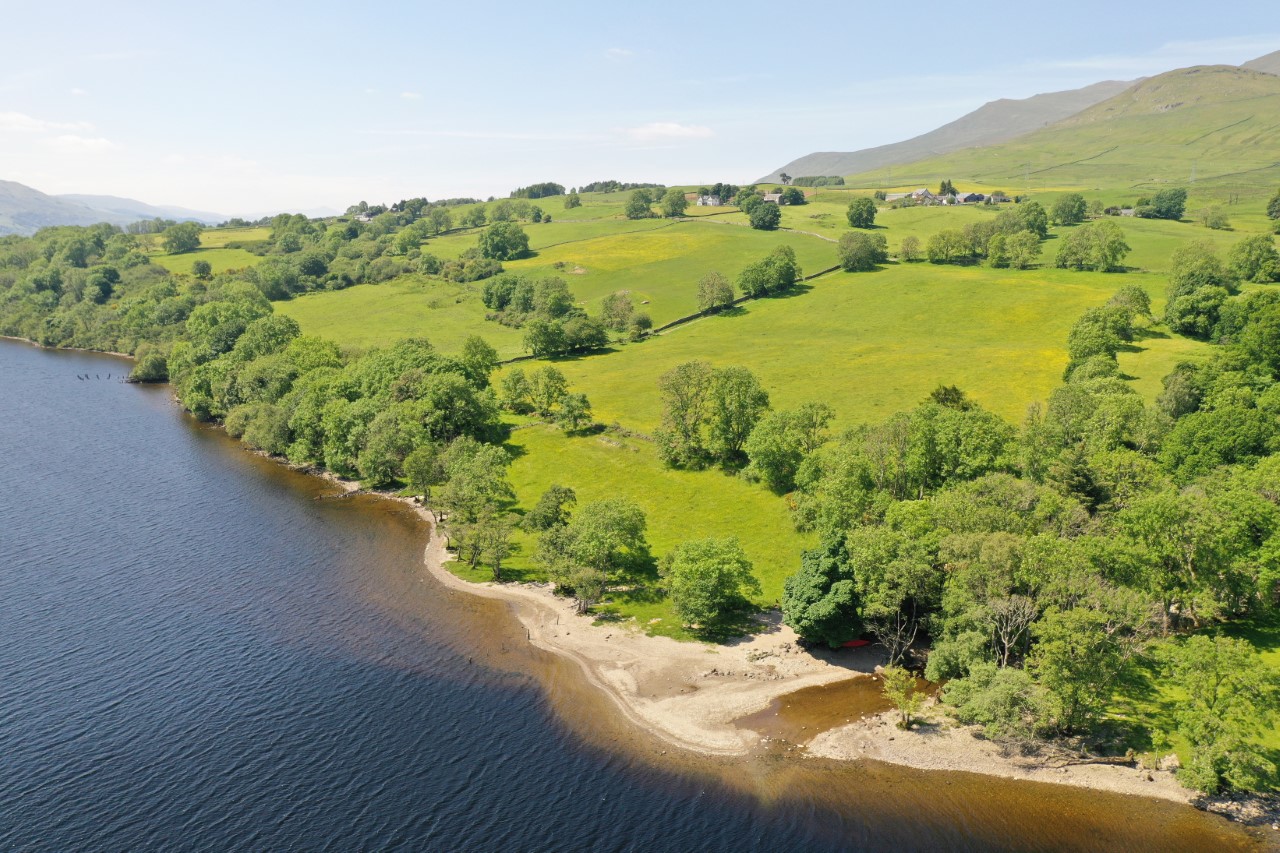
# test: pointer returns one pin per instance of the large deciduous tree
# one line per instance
(674, 203)
(862, 213)
(686, 391)
(862, 252)
(181, 238)
(708, 580)
(504, 241)
(820, 602)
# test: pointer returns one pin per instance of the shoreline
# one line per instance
(39, 345)
(692, 695)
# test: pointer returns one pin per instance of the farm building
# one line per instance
(709, 201)
(773, 198)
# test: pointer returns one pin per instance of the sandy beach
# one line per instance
(695, 695)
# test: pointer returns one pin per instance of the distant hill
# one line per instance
(133, 210)
(1214, 125)
(994, 122)
(1269, 64)
(24, 210)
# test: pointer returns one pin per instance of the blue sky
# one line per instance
(252, 107)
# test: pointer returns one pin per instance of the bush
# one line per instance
(778, 272)
(1166, 204)
(1004, 701)
(1214, 217)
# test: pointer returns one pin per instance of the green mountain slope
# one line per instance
(1215, 126)
(993, 122)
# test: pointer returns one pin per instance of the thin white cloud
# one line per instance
(619, 53)
(71, 142)
(669, 130)
(411, 96)
(23, 123)
(77, 91)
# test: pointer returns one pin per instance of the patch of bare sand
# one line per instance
(689, 694)
(948, 746)
(692, 694)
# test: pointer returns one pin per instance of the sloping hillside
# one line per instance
(1214, 125)
(993, 122)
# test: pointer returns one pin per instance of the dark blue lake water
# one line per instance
(196, 654)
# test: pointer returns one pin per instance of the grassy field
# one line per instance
(680, 505)
(871, 344)
(544, 234)
(659, 261)
(218, 238)
(661, 266)
(221, 260)
(410, 306)
(1152, 240)
(214, 249)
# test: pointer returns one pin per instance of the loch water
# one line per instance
(199, 651)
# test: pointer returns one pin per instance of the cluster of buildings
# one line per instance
(924, 196)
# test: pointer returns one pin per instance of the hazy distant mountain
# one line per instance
(1211, 125)
(132, 210)
(997, 121)
(24, 210)
(1269, 64)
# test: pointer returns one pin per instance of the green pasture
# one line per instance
(543, 235)
(370, 315)
(221, 260)
(1152, 241)
(661, 266)
(213, 248)
(871, 344)
(658, 261)
(679, 505)
(218, 238)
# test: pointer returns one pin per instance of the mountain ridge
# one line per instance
(1210, 126)
(995, 122)
(25, 210)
